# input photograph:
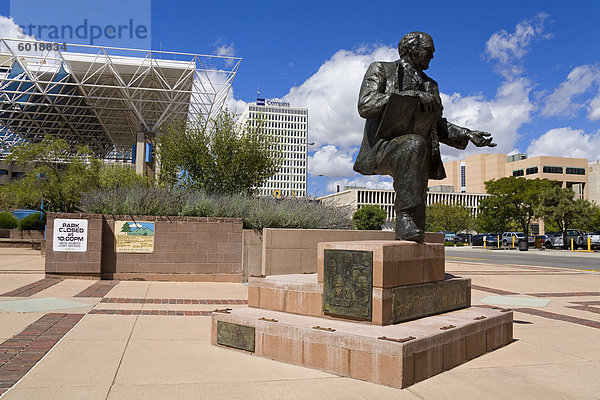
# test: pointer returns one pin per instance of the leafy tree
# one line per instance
(493, 216)
(591, 222)
(223, 157)
(512, 200)
(58, 176)
(558, 205)
(113, 176)
(369, 217)
(446, 217)
(53, 174)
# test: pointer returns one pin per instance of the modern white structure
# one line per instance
(384, 198)
(114, 100)
(290, 126)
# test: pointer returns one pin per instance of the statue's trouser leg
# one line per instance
(405, 158)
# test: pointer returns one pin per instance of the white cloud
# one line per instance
(331, 95)
(507, 49)
(369, 182)
(10, 30)
(594, 108)
(579, 81)
(226, 50)
(501, 116)
(234, 105)
(566, 142)
(331, 162)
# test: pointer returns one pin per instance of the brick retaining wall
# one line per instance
(185, 248)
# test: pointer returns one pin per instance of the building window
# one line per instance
(518, 172)
(3, 172)
(463, 177)
(553, 170)
(531, 170)
(575, 171)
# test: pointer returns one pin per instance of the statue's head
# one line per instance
(418, 48)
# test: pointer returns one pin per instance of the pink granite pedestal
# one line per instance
(438, 330)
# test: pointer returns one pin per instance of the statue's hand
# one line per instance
(481, 138)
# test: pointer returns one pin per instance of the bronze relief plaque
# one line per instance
(348, 284)
(416, 301)
(236, 336)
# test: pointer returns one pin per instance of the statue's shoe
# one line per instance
(406, 229)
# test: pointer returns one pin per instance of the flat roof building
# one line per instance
(355, 198)
(290, 126)
(469, 175)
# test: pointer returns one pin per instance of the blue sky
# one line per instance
(526, 71)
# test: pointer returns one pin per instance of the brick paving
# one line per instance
(98, 289)
(492, 290)
(566, 294)
(172, 301)
(559, 317)
(21, 352)
(32, 288)
(535, 273)
(171, 313)
(587, 303)
(586, 308)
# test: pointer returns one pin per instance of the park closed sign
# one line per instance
(70, 235)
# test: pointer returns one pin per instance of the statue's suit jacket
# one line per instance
(380, 81)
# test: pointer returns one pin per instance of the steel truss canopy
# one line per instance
(103, 96)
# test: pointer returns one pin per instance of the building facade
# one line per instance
(290, 126)
(469, 175)
(355, 198)
(594, 182)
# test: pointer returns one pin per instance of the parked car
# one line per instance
(491, 239)
(594, 239)
(465, 237)
(555, 239)
(450, 237)
(531, 239)
(507, 238)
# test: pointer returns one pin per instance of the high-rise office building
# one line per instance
(290, 126)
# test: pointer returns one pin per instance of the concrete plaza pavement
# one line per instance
(116, 352)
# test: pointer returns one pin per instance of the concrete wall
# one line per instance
(251, 253)
(185, 249)
(294, 251)
(19, 234)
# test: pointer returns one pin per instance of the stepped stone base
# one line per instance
(394, 355)
(394, 262)
(303, 294)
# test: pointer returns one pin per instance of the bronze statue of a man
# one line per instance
(403, 141)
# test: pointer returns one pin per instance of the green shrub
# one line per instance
(261, 212)
(450, 244)
(256, 212)
(33, 223)
(8, 221)
(369, 217)
(137, 199)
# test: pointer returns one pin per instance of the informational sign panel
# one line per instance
(70, 235)
(134, 237)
